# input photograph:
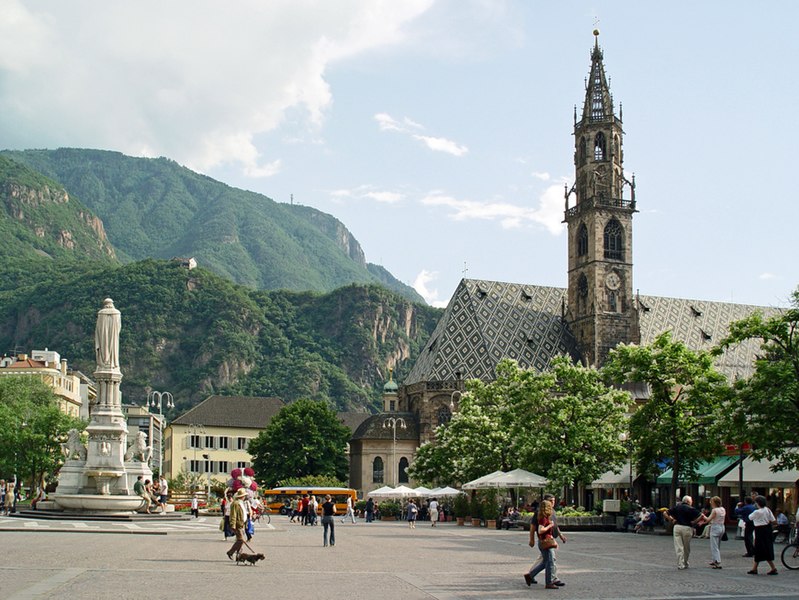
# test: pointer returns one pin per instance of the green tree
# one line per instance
(678, 419)
(571, 433)
(764, 409)
(32, 428)
(304, 438)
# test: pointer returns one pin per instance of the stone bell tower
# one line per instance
(601, 311)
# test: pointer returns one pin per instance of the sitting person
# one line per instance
(631, 519)
(783, 526)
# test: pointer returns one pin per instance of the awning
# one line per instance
(708, 472)
(613, 480)
(759, 474)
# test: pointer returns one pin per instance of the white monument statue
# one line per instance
(106, 336)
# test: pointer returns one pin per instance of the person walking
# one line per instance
(163, 491)
(556, 533)
(683, 515)
(328, 520)
(238, 521)
(411, 514)
(195, 506)
(370, 510)
(742, 511)
(312, 508)
(763, 520)
(350, 511)
(433, 512)
(546, 544)
(715, 526)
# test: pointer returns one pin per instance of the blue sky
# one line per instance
(439, 132)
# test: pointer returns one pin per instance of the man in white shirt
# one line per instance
(163, 490)
(350, 511)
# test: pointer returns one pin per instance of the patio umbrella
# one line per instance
(401, 491)
(444, 492)
(518, 478)
(480, 481)
(381, 492)
(422, 491)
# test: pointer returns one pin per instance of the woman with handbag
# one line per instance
(546, 545)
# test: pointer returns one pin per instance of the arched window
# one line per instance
(612, 306)
(582, 152)
(444, 415)
(582, 286)
(582, 240)
(599, 146)
(377, 470)
(614, 240)
(403, 470)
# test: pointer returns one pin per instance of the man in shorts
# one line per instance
(163, 490)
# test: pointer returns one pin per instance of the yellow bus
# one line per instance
(278, 500)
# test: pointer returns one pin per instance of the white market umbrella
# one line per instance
(422, 491)
(518, 478)
(401, 491)
(444, 492)
(381, 492)
(481, 481)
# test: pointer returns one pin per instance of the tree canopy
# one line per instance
(305, 438)
(678, 418)
(563, 424)
(32, 428)
(764, 410)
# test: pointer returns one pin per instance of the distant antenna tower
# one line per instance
(465, 268)
(292, 199)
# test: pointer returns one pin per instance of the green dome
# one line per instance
(391, 387)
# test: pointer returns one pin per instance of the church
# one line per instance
(487, 321)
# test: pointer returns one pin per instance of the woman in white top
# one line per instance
(715, 521)
(433, 506)
(763, 520)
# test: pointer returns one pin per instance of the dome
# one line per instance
(391, 387)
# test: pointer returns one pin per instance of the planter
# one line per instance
(491, 523)
(388, 518)
(475, 522)
(460, 521)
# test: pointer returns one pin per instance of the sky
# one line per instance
(440, 131)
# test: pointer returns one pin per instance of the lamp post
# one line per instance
(158, 399)
(193, 429)
(625, 439)
(393, 422)
(207, 458)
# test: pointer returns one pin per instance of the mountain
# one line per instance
(39, 219)
(155, 208)
(194, 333)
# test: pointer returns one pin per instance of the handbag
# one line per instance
(250, 528)
(724, 537)
(547, 543)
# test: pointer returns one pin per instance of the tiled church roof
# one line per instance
(486, 321)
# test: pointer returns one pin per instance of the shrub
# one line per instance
(390, 508)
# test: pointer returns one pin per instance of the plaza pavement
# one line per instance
(382, 560)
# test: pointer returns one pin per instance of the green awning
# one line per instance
(708, 472)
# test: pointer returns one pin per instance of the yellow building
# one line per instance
(212, 438)
(73, 391)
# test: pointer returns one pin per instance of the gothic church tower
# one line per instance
(601, 311)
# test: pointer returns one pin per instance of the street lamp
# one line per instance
(393, 422)
(625, 439)
(158, 399)
(193, 429)
(208, 471)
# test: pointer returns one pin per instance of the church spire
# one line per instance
(598, 104)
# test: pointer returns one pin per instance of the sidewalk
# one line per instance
(385, 560)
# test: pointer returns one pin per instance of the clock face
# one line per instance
(612, 281)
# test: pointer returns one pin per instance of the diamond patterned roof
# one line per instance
(486, 321)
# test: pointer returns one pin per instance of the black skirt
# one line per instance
(764, 543)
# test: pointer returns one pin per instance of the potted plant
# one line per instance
(460, 507)
(476, 511)
(389, 510)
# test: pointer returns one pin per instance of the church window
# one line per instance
(582, 152)
(582, 286)
(403, 470)
(392, 405)
(377, 470)
(612, 305)
(597, 103)
(444, 415)
(614, 240)
(582, 240)
(600, 148)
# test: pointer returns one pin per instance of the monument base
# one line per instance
(97, 503)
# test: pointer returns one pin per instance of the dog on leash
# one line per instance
(249, 558)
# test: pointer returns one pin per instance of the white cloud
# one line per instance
(369, 192)
(438, 144)
(543, 176)
(420, 284)
(549, 212)
(442, 145)
(199, 83)
(766, 276)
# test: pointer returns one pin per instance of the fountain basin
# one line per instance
(97, 502)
